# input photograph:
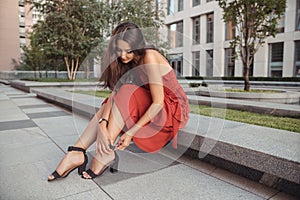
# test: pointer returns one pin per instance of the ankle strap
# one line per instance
(71, 148)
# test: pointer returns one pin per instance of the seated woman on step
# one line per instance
(147, 106)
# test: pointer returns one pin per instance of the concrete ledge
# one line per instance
(28, 85)
(270, 151)
(281, 96)
(5, 82)
(245, 105)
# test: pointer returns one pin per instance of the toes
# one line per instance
(86, 175)
(51, 178)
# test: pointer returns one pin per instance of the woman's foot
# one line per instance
(97, 167)
(75, 158)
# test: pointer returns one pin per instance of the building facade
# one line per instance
(200, 42)
(9, 33)
(16, 21)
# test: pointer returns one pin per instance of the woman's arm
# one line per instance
(105, 115)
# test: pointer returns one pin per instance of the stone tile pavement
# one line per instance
(34, 136)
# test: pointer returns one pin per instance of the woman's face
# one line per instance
(124, 51)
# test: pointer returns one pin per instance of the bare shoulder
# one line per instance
(153, 56)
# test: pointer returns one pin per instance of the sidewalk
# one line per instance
(34, 136)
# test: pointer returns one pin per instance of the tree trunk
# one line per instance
(55, 71)
(246, 78)
(68, 67)
(75, 68)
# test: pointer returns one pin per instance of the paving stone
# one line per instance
(61, 126)
(22, 154)
(29, 181)
(27, 101)
(95, 194)
(22, 137)
(10, 112)
(47, 114)
(8, 125)
(177, 182)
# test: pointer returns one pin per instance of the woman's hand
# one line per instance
(103, 140)
(124, 141)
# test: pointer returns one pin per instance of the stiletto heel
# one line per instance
(81, 168)
(113, 167)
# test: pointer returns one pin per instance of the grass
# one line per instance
(58, 80)
(100, 93)
(277, 122)
(252, 90)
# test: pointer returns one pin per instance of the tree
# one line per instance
(33, 56)
(255, 20)
(70, 30)
(145, 13)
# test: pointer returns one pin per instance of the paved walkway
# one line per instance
(34, 136)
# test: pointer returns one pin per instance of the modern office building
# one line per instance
(16, 21)
(9, 33)
(200, 42)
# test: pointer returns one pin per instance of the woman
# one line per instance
(147, 105)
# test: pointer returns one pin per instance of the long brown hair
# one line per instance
(112, 68)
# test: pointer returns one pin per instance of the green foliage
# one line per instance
(255, 20)
(70, 29)
(145, 13)
(253, 90)
(56, 80)
(75, 31)
(98, 93)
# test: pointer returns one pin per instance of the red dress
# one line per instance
(133, 101)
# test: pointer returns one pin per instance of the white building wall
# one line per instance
(218, 46)
(261, 61)
(261, 58)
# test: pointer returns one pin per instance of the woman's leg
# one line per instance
(88, 137)
(102, 158)
(126, 101)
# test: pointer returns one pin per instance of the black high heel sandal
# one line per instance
(112, 166)
(81, 168)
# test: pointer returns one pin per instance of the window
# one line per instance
(276, 59)
(176, 63)
(175, 34)
(229, 62)
(298, 16)
(297, 58)
(196, 63)
(229, 30)
(196, 2)
(210, 28)
(209, 62)
(280, 24)
(21, 3)
(170, 7)
(180, 5)
(196, 30)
